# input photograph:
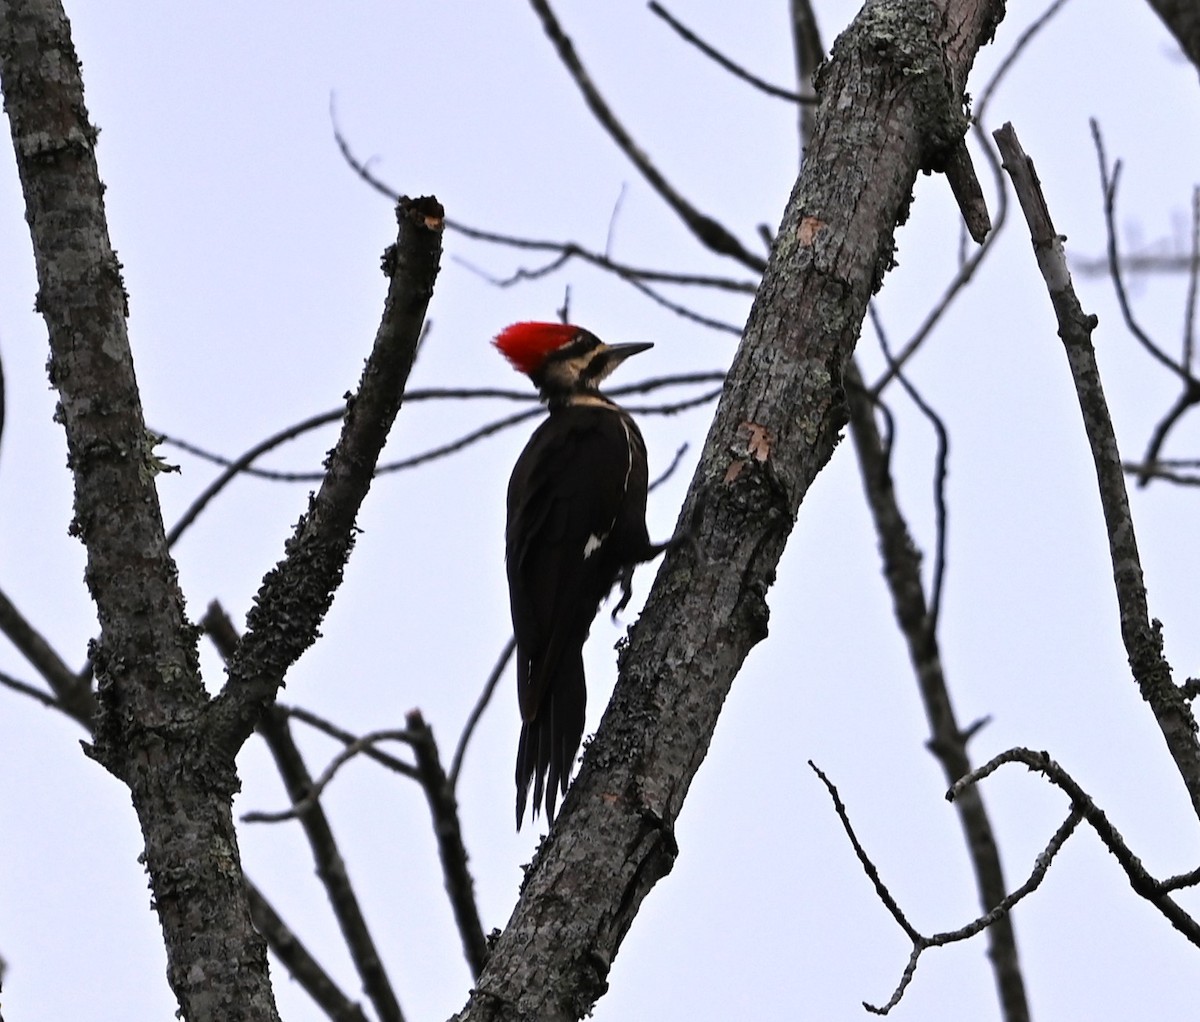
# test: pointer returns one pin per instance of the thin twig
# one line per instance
(32, 691)
(1190, 394)
(919, 941)
(948, 739)
(1154, 891)
(710, 233)
(240, 466)
(397, 766)
(1156, 470)
(1109, 182)
(884, 895)
(73, 696)
(309, 801)
(670, 469)
(442, 450)
(1189, 316)
(688, 36)
(481, 704)
(331, 867)
(564, 250)
(941, 463)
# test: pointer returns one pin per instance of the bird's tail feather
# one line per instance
(546, 751)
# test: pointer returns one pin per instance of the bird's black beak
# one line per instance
(614, 354)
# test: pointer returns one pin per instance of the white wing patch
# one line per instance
(595, 542)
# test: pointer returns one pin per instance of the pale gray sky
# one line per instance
(251, 257)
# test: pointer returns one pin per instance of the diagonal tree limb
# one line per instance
(735, 69)
(1142, 636)
(775, 428)
(300, 964)
(996, 915)
(331, 867)
(149, 691)
(297, 592)
(1156, 892)
(948, 739)
(711, 234)
(452, 850)
(918, 624)
(74, 698)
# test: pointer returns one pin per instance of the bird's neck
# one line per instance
(578, 399)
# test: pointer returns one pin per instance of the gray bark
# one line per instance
(156, 728)
(890, 105)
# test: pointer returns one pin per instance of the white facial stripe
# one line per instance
(593, 544)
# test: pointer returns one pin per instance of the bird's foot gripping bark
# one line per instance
(626, 581)
(681, 540)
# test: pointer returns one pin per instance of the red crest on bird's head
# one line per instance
(526, 345)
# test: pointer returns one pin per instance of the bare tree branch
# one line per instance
(948, 739)
(710, 233)
(150, 693)
(1154, 891)
(306, 796)
(485, 697)
(1141, 635)
(1189, 394)
(346, 738)
(996, 915)
(241, 465)
(775, 428)
(47, 699)
(565, 251)
(452, 850)
(331, 867)
(296, 594)
(739, 72)
(73, 697)
(1109, 181)
(1189, 316)
(300, 964)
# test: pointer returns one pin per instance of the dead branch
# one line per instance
(921, 943)
(1141, 635)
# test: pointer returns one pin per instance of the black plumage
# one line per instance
(576, 520)
(576, 524)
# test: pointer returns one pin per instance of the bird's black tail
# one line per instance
(550, 740)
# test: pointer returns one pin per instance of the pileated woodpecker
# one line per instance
(576, 524)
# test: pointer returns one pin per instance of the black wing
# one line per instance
(576, 517)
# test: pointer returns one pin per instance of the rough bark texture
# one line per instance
(149, 688)
(156, 729)
(296, 594)
(890, 105)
